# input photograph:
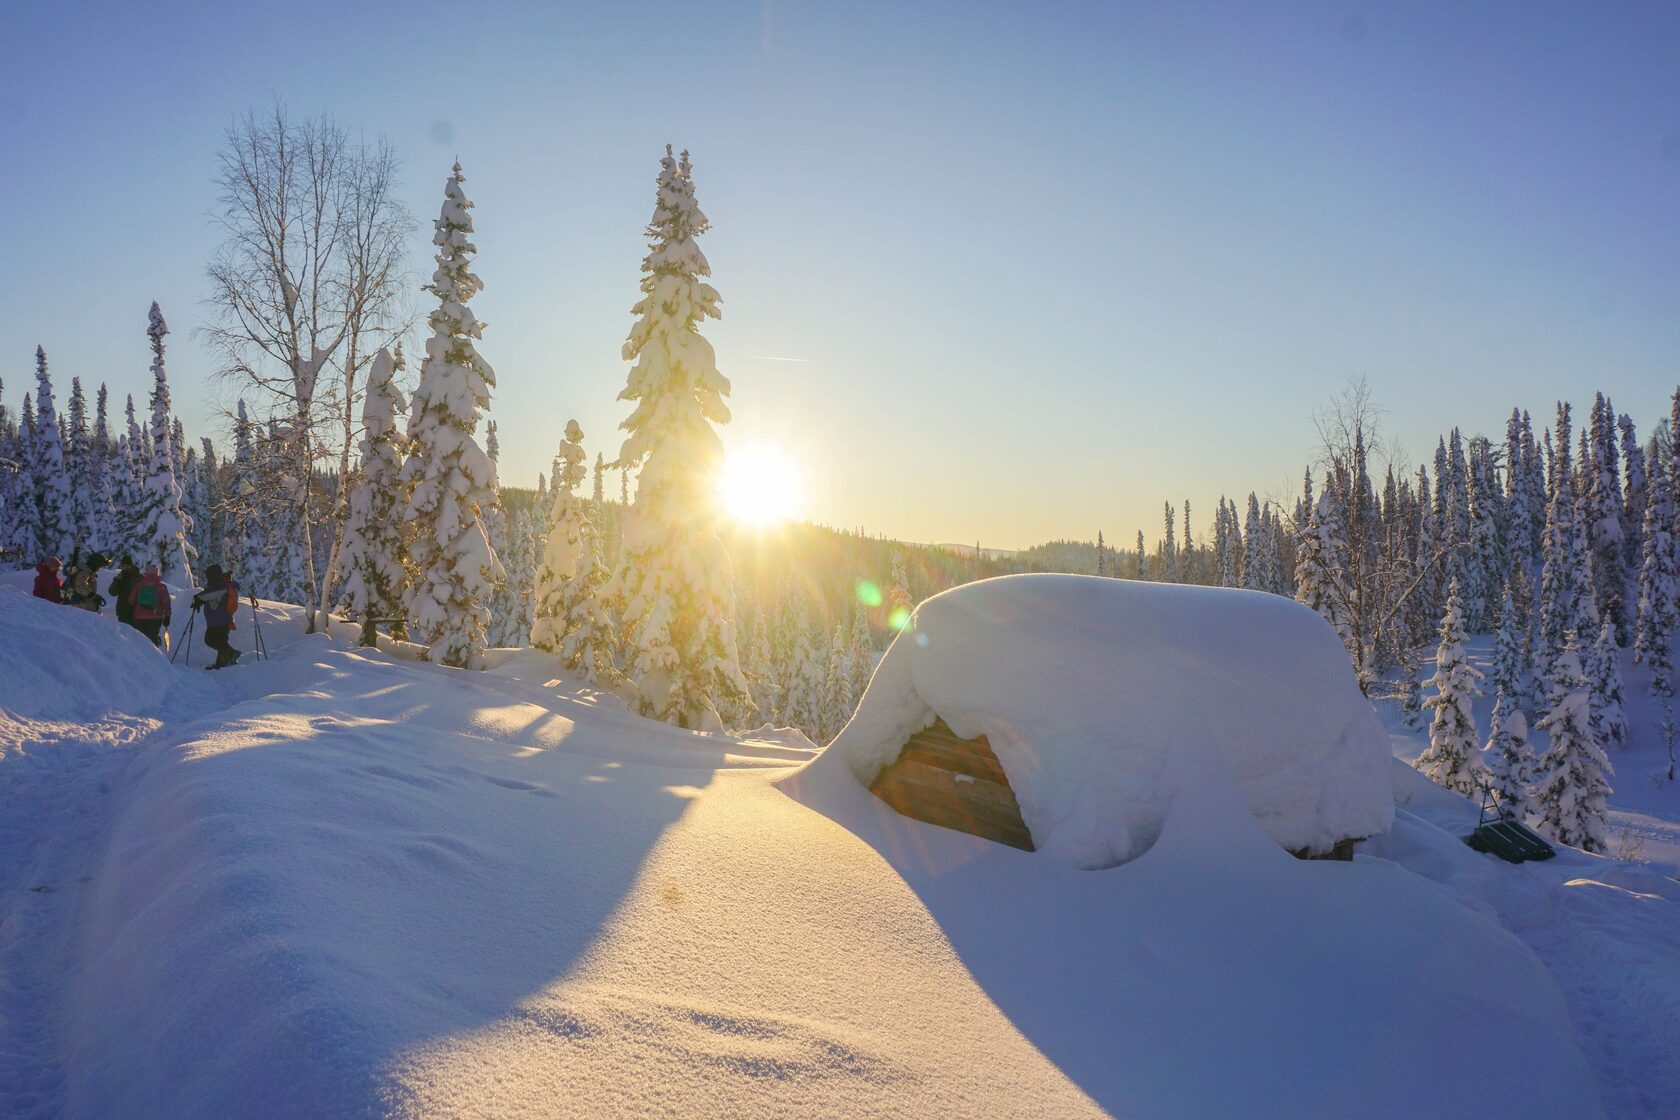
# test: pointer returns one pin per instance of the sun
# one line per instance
(759, 486)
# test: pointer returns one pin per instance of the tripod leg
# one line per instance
(186, 639)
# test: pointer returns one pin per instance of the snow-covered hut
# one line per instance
(1090, 702)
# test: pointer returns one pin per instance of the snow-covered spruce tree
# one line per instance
(1558, 606)
(766, 693)
(449, 478)
(1603, 506)
(899, 600)
(1522, 519)
(572, 621)
(802, 670)
(104, 534)
(50, 469)
(1318, 568)
(1169, 548)
(129, 467)
(1604, 672)
(1486, 560)
(503, 629)
(195, 503)
(1510, 760)
(163, 527)
(1659, 576)
(837, 686)
(79, 467)
(1510, 665)
(1450, 760)
(679, 626)
(23, 506)
(1636, 492)
(373, 526)
(1102, 558)
(1574, 772)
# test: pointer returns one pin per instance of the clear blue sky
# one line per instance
(1048, 263)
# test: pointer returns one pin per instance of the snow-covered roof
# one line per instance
(1101, 696)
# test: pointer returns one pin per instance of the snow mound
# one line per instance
(1087, 689)
(69, 664)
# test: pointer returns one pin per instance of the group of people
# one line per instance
(142, 598)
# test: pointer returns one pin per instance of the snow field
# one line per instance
(338, 884)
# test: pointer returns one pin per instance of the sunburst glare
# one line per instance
(760, 486)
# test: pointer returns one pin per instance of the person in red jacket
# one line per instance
(150, 600)
(47, 584)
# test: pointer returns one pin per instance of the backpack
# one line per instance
(147, 597)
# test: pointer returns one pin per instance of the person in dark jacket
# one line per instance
(47, 584)
(122, 585)
(150, 604)
(219, 600)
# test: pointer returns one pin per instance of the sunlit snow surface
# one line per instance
(339, 884)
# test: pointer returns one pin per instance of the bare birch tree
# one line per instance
(307, 286)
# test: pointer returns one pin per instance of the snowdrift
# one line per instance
(64, 663)
(1094, 692)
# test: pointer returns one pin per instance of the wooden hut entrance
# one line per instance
(955, 783)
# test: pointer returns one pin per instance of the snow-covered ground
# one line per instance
(338, 883)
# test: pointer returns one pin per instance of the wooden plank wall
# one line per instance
(954, 783)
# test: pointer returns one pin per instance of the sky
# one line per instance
(990, 272)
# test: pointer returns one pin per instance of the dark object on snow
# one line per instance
(1499, 833)
(1341, 850)
(955, 783)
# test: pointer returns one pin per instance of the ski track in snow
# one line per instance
(57, 782)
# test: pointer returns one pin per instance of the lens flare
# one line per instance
(899, 618)
(868, 593)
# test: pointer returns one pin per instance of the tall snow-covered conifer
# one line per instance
(449, 476)
(1451, 758)
(679, 625)
(1510, 757)
(373, 528)
(163, 527)
(1659, 580)
(50, 468)
(1574, 773)
(1604, 672)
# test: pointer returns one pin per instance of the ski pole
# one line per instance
(261, 649)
